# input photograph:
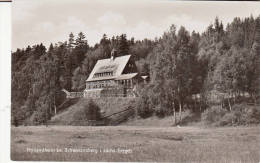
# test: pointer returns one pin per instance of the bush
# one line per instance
(213, 114)
(190, 116)
(41, 115)
(252, 115)
(89, 111)
(228, 119)
(143, 107)
(92, 111)
(242, 114)
(245, 114)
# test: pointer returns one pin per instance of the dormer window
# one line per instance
(103, 74)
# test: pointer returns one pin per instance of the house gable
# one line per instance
(108, 68)
(130, 67)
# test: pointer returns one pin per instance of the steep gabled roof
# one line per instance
(115, 65)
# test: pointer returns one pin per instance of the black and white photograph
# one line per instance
(135, 81)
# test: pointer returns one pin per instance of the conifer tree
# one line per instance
(71, 43)
(123, 47)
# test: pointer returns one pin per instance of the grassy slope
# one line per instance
(185, 144)
(108, 105)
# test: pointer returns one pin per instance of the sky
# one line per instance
(49, 21)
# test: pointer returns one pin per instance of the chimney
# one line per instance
(113, 54)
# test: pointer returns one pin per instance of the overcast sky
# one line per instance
(36, 21)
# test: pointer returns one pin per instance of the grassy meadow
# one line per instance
(134, 143)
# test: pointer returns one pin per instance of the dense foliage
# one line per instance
(184, 69)
(242, 114)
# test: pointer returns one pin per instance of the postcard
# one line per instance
(135, 81)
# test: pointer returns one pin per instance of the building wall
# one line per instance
(92, 93)
(105, 92)
(100, 84)
(110, 88)
(129, 83)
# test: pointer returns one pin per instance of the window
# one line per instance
(104, 74)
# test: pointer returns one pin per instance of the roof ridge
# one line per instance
(115, 57)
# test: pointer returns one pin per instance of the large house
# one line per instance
(114, 76)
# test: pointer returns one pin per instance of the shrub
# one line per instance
(228, 119)
(213, 114)
(190, 116)
(41, 115)
(143, 107)
(245, 114)
(252, 115)
(89, 111)
(242, 114)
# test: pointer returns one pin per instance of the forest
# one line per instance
(215, 73)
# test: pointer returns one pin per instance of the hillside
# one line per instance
(108, 106)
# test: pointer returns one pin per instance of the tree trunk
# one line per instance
(55, 110)
(195, 106)
(175, 120)
(200, 103)
(180, 111)
(234, 98)
(174, 117)
(50, 111)
(230, 107)
(174, 114)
